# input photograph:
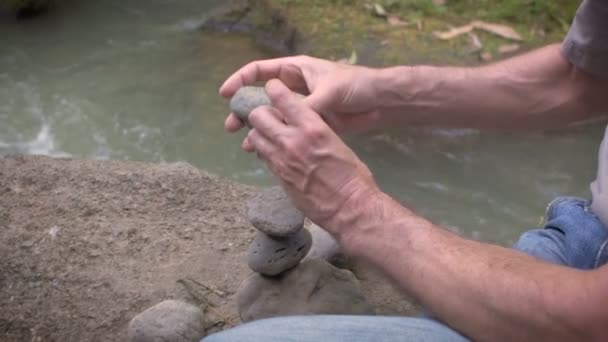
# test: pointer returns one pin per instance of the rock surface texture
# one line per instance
(271, 212)
(271, 256)
(324, 246)
(314, 287)
(246, 100)
(168, 321)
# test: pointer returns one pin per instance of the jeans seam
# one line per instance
(598, 257)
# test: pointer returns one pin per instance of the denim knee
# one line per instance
(336, 328)
(573, 236)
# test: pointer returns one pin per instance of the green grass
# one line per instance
(337, 27)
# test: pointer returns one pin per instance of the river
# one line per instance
(135, 80)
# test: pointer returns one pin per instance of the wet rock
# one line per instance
(271, 256)
(265, 22)
(168, 321)
(324, 246)
(246, 100)
(271, 211)
(314, 287)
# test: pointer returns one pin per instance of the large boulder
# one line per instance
(314, 287)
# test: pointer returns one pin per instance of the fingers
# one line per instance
(286, 69)
(267, 126)
(256, 142)
(232, 123)
(293, 108)
(268, 121)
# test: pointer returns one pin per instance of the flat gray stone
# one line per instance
(168, 321)
(271, 211)
(246, 100)
(324, 246)
(314, 287)
(271, 256)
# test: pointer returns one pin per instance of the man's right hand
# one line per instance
(343, 94)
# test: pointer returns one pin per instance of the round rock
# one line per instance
(168, 321)
(246, 100)
(324, 246)
(271, 256)
(271, 211)
(314, 287)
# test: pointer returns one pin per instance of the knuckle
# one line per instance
(314, 132)
(257, 115)
(291, 149)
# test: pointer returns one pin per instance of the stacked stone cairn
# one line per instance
(292, 274)
(281, 241)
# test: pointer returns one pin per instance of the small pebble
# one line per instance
(246, 100)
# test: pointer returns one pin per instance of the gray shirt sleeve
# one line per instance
(586, 45)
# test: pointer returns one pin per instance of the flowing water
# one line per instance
(135, 80)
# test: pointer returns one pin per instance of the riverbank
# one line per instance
(87, 245)
(397, 31)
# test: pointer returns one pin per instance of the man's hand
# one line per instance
(343, 94)
(319, 172)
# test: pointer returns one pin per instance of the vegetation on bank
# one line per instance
(335, 28)
(25, 7)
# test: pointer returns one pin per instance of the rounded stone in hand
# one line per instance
(170, 320)
(271, 212)
(246, 100)
(271, 256)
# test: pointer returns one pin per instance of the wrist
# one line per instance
(359, 218)
(391, 89)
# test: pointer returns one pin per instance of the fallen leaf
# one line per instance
(379, 10)
(440, 2)
(352, 60)
(395, 20)
(419, 25)
(508, 48)
(503, 31)
(475, 43)
(486, 56)
(453, 32)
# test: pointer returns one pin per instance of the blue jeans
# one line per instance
(573, 236)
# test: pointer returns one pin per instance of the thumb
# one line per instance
(320, 101)
(290, 104)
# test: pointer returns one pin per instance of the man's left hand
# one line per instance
(318, 171)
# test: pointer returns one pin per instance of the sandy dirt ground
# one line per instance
(86, 245)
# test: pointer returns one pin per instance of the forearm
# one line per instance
(485, 291)
(536, 90)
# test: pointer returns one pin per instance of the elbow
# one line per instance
(583, 95)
